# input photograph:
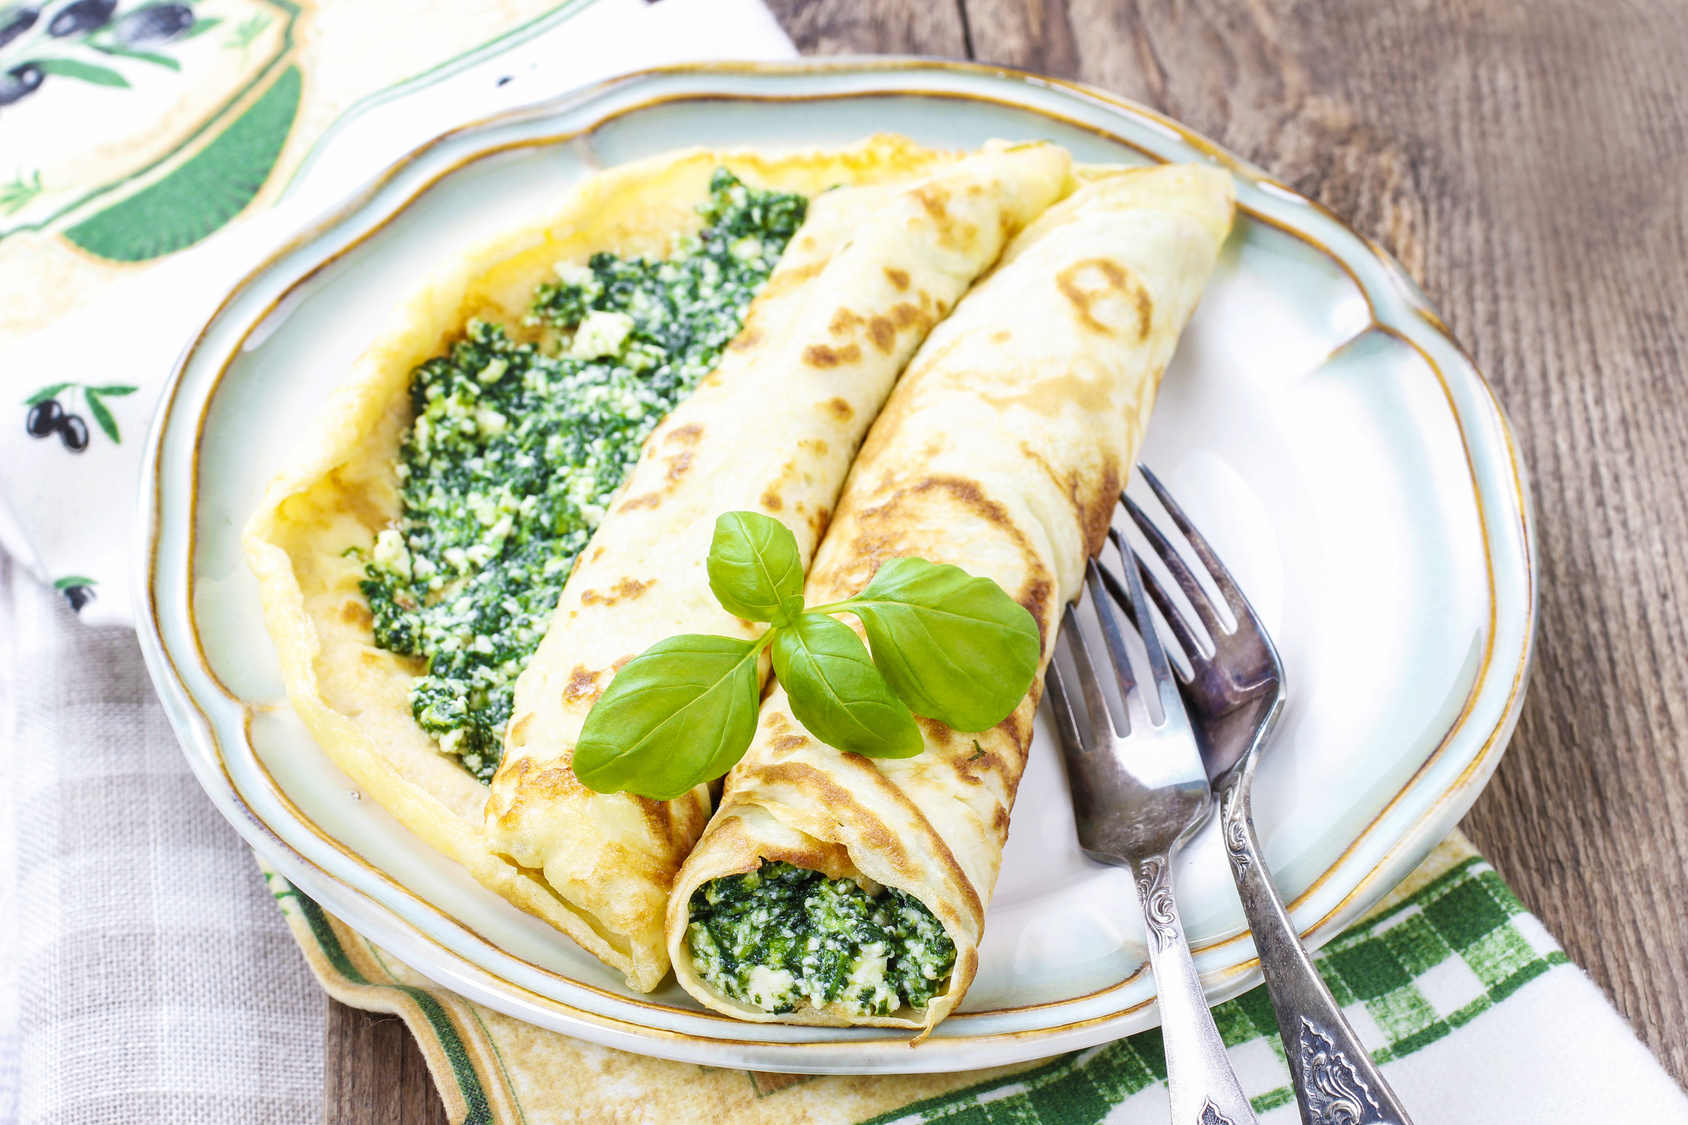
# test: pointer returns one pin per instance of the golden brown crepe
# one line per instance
(773, 430)
(1002, 451)
(340, 490)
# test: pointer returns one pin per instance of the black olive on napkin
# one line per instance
(16, 22)
(157, 24)
(82, 16)
(73, 431)
(20, 82)
(44, 418)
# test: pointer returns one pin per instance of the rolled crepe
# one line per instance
(1002, 451)
(773, 430)
(340, 488)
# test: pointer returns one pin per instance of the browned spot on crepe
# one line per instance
(583, 684)
(883, 334)
(1114, 279)
(625, 590)
(820, 355)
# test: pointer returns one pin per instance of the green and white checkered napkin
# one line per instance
(1472, 1009)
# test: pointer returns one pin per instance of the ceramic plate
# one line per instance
(1319, 424)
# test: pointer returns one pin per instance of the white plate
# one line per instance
(1318, 423)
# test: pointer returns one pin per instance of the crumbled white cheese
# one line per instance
(391, 553)
(770, 988)
(571, 273)
(600, 334)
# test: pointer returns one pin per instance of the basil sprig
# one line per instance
(944, 644)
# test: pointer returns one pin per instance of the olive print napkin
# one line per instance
(1470, 1007)
(158, 150)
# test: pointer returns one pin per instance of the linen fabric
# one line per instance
(146, 973)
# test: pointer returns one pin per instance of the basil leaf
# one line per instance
(837, 693)
(681, 713)
(953, 647)
(755, 568)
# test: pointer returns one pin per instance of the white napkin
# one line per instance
(145, 973)
(67, 516)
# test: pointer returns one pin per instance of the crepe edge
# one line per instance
(425, 320)
(747, 834)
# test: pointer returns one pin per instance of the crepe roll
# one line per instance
(836, 889)
(475, 412)
(772, 430)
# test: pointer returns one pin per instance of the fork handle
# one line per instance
(1203, 1087)
(1336, 1082)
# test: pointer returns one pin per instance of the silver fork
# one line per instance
(1235, 692)
(1138, 794)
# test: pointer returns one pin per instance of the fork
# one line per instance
(1235, 692)
(1138, 794)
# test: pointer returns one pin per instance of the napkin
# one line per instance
(1471, 1008)
(81, 390)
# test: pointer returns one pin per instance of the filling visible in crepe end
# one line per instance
(517, 448)
(783, 937)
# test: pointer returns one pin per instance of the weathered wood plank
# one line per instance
(881, 27)
(1528, 164)
(373, 1072)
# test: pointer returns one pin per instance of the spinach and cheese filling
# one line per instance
(517, 448)
(782, 936)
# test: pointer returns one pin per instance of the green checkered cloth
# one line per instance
(1472, 1009)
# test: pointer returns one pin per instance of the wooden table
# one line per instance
(1528, 162)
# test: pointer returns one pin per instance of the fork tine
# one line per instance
(1180, 571)
(1159, 666)
(1187, 638)
(1136, 709)
(1066, 718)
(1101, 720)
(1221, 577)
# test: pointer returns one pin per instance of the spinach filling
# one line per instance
(516, 449)
(782, 936)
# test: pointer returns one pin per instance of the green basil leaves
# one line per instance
(945, 644)
(683, 712)
(837, 693)
(952, 646)
(755, 568)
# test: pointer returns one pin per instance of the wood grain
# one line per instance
(373, 1072)
(1528, 164)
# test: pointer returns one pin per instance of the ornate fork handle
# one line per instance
(1335, 1079)
(1199, 1078)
